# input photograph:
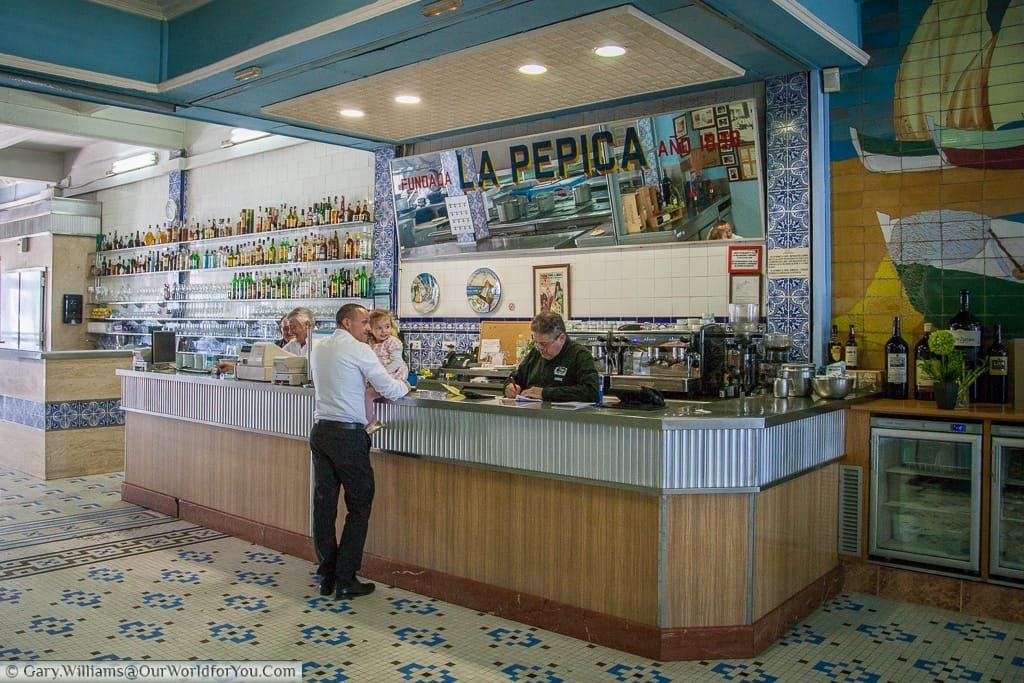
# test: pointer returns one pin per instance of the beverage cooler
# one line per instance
(926, 492)
(1007, 555)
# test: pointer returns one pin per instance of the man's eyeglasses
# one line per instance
(540, 344)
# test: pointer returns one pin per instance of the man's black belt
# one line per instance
(342, 425)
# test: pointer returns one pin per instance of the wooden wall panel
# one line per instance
(254, 476)
(590, 546)
(795, 536)
(77, 452)
(706, 574)
(84, 378)
(24, 449)
(23, 378)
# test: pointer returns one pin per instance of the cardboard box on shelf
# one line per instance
(633, 212)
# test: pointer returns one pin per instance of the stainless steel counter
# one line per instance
(731, 445)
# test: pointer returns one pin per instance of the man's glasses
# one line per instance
(545, 344)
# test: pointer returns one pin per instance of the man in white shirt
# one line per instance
(300, 321)
(341, 365)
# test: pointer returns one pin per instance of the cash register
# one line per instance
(257, 363)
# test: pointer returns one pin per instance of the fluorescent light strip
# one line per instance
(134, 163)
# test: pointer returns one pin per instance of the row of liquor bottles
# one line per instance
(311, 248)
(992, 387)
(250, 221)
(296, 284)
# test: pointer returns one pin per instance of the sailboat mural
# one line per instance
(956, 98)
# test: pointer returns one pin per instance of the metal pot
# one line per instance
(545, 202)
(799, 376)
(581, 194)
(508, 210)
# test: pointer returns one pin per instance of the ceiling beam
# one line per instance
(18, 108)
(30, 164)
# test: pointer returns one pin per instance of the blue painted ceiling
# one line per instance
(185, 65)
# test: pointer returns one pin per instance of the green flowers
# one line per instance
(949, 364)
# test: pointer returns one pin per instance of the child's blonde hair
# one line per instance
(378, 314)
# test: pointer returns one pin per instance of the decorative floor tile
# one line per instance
(178, 591)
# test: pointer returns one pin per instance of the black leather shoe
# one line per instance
(353, 589)
(326, 586)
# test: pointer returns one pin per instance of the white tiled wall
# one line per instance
(298, 175)
(670, 281)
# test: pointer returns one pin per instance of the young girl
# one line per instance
(389, 350)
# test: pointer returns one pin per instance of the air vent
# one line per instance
(851, 495)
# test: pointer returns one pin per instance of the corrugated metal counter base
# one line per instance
(732, 445)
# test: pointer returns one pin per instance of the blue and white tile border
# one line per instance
(61, 415)
(385, 255)
(788, 195)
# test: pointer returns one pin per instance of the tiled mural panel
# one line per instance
(788, 195)
(927, 146)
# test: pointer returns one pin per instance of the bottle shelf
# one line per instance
(159, 302)
(360, 226)
(924, 508)
(288, 265)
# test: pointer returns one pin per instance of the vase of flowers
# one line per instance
(953, 379)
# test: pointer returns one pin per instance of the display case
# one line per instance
(220, 293)
(926, 492)
(1006, 558)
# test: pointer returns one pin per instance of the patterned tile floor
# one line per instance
(77, 584)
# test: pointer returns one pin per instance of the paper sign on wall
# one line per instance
(786, 263)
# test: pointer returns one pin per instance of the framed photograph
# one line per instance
(551, 289)
(679, 126)
(745, 289)
(722, 122)
(728, 158)
(702, 118)
(721, 109)
(749, 170)
(734, 173)
(744, 259)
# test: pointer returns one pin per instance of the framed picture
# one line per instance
(679, 126)
(734, 173)
(721, 109)
(744, 259)
(702, 118)
(551, 289)
(722, 122)
(745, 289)
(749, 170)
(728, 158)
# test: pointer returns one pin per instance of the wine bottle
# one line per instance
(850, 350)
(896, 352)
(998, 369)
(835, 347)
(967, 332)
(924, 385)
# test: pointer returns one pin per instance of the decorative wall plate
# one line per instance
(426, 294)
(483, 290)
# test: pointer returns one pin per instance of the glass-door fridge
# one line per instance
(926, 492)
(1006, 558)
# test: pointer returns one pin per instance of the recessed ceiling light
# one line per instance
(610, 51)
(532, 69)
(433, 9)
(408, 99)
(352, 113)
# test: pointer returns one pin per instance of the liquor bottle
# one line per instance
(967, 332)
(924, 385)
(850, 351)
(835, 347)
(896, 352)
(998, 369)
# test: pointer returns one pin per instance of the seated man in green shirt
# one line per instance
(557, 369)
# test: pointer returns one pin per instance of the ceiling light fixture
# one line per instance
(133, 163)
(532, 69)
(244, 135)
(248, 73)
(352, 113)
(408, 99)
(610, 51)
(433, 9)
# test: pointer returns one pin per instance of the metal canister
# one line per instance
(581, 194)
(799, 376)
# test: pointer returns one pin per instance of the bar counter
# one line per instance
(697, 530)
